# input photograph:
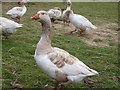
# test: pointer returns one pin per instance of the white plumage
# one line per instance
(55, 13)
(66, 0)
(69, 3)
(17, 12)
(8, 26)
(80, 22)
(24, 1)
(64, 15)
(74, 72)
(57, 63)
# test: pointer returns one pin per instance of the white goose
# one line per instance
(57, 63)
(64, 15)
(80, 22)
(23, 1)
(55, 13)
(17, 12)
(8, 27)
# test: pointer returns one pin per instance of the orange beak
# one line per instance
(36, 16)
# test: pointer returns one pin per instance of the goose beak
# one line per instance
(36, 16)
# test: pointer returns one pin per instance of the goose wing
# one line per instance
(15, 11)
(9, 25)
(69, 64)
(83, 21)
(57, 14)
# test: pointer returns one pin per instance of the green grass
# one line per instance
(98, 40)
(17, 52)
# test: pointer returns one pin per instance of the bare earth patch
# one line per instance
(104, 36)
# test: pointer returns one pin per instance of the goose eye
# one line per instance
(43, 13)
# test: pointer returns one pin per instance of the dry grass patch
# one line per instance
(104, 36)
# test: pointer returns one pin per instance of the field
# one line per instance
(97, 48)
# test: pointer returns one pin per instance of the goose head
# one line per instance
(20, 3)
(41, 16)
(68, 12)
(57, 8)
(69, 3)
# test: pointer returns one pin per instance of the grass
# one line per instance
(98, 40)
(17, 52)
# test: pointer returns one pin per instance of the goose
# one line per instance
(8, 27)
(57, 63)
(65, 0)
(17, 12)
(80, 22)
(23, 1)
(64, 16)
(55, 13)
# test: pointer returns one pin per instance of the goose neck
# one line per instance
(46, 29)
(45, 41)
(68, 7)
(44, 45)
(23, 6)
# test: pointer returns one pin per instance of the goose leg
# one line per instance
(89, 82)
(57, 87)
(68, 23)
(17, 20)
(71, 32)
(53, 88)
(61, 87)
(52, 20)
(65, 21)
(80, 33)
(6, 38)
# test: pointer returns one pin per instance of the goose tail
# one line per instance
(9, 12)
(20, 25)
(93, 72)
(94, 27)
